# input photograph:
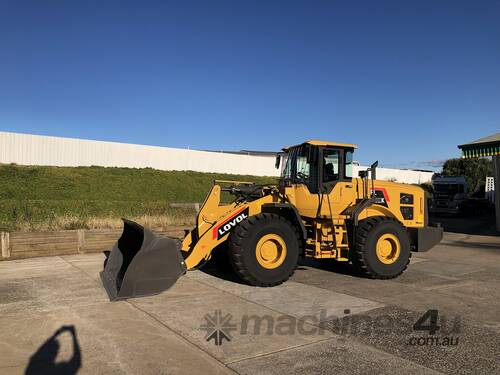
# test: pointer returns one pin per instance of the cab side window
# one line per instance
(348, 164)
(330, 165)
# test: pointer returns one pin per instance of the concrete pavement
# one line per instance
(324, 320)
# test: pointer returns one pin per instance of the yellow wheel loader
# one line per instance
(317, 210)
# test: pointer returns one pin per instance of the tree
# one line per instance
(474, 170)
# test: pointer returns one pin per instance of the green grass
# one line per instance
(33, 198)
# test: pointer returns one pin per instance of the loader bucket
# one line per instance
(141, 263)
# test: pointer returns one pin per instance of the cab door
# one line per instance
(336, 182)
(302, 180)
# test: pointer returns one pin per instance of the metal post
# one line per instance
(496, 172)
(81, 240)
(5, 244)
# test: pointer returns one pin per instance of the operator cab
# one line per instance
(316, 164)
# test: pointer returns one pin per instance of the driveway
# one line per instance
(55, 316)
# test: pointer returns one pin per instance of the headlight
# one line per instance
(407, 213)
(405, 198)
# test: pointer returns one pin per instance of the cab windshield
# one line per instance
(450, 189)
(297, 168)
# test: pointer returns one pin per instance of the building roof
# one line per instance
(246, 152)
(316, 142)
(487, 146)
(488, 139)
(258, 153)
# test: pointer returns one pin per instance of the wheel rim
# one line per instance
(270, 251)
(388, 248)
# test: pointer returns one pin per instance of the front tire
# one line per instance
(381, 248)
(264, 250)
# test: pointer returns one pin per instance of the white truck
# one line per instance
(450, 192)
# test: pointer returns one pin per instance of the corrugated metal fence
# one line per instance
(27, 149)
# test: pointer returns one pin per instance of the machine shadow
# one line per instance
(220, 268)
(43, 361)
(482, 225)
(343, 268)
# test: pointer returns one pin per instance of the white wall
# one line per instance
(406, 176)
(27, 149)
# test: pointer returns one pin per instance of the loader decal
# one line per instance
(227, 226)
(380, 195)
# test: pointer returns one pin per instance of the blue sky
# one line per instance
(406, 81)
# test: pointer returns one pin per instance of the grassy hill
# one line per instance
(47, 198)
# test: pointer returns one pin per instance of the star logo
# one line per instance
(218, 327)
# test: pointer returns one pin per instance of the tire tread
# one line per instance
(359, 260)
(237, 241)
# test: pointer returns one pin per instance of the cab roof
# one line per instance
(316, 142)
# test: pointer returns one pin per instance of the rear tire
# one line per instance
(381, 248)
(264, 250)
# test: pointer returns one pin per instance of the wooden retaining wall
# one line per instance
(20, 245)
